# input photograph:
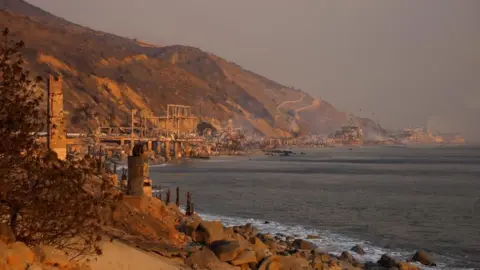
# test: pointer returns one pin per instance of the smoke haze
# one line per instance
(402, 63)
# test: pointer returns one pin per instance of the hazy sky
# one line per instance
(410, 62)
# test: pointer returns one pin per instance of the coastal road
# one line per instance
(288, 102)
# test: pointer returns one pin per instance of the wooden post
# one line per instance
(123, 184)
(188, 210)
(167, 202)
(177, 201)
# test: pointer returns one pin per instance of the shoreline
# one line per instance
(302, 251)
(375, 256)
(330, 242)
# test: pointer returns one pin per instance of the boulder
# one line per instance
(257, 243)
(226, 250)
(266, 236)
(347, 257)
(190, 224)
(358, 249)
(387, 261)
(14, 261)
(208, 232)
(35, 266)
(302, 253)
(350, 266)
(406, 266)
(423, 258)
(247, 230)
(242, 241)
(229, 231)
(262, 253)
(246, 257)
(6, 233)
(274, 246)
(290, 239)
(311, 236)
(221, 266)
(23, 252)
(334, 265)
(374, 266)
(293, 263)
(270, 263)
(202, 258)
(303, 244)
(51, 256)
(323, 257)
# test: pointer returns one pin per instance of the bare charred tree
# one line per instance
(43, 199)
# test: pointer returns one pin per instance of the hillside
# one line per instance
(105, 76)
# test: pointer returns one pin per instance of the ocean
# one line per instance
(389, 199)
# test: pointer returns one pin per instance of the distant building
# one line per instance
(348, 135)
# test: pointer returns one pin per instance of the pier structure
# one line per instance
(171, 136)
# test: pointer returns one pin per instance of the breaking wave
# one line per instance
(329, 242)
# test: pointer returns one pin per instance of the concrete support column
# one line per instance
(188, 150)
(208, 149)
(167, 150)
(136, 175)
(130, 149)
(149, 146)
(158, 148)
(177, 150)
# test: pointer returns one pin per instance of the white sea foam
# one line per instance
(121, 167)
(330, 242)
(158, 165)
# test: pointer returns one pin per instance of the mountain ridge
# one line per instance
(105, 76)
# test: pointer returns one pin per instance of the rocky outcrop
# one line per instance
(387, 261)
(348, 258)
(201, 259)
(17, 256)
(245, 257)
(423, 258)
(303, 244)
(358, 249)
(208, 232)
(406, 266)
(226, 250)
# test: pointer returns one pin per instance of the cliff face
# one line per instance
(105, 76)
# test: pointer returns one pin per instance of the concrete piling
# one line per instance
(177, 200)
(167, 201)
(123, 183)
(137, 171)
(177, 149)
(188, 210)
(167, 150)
